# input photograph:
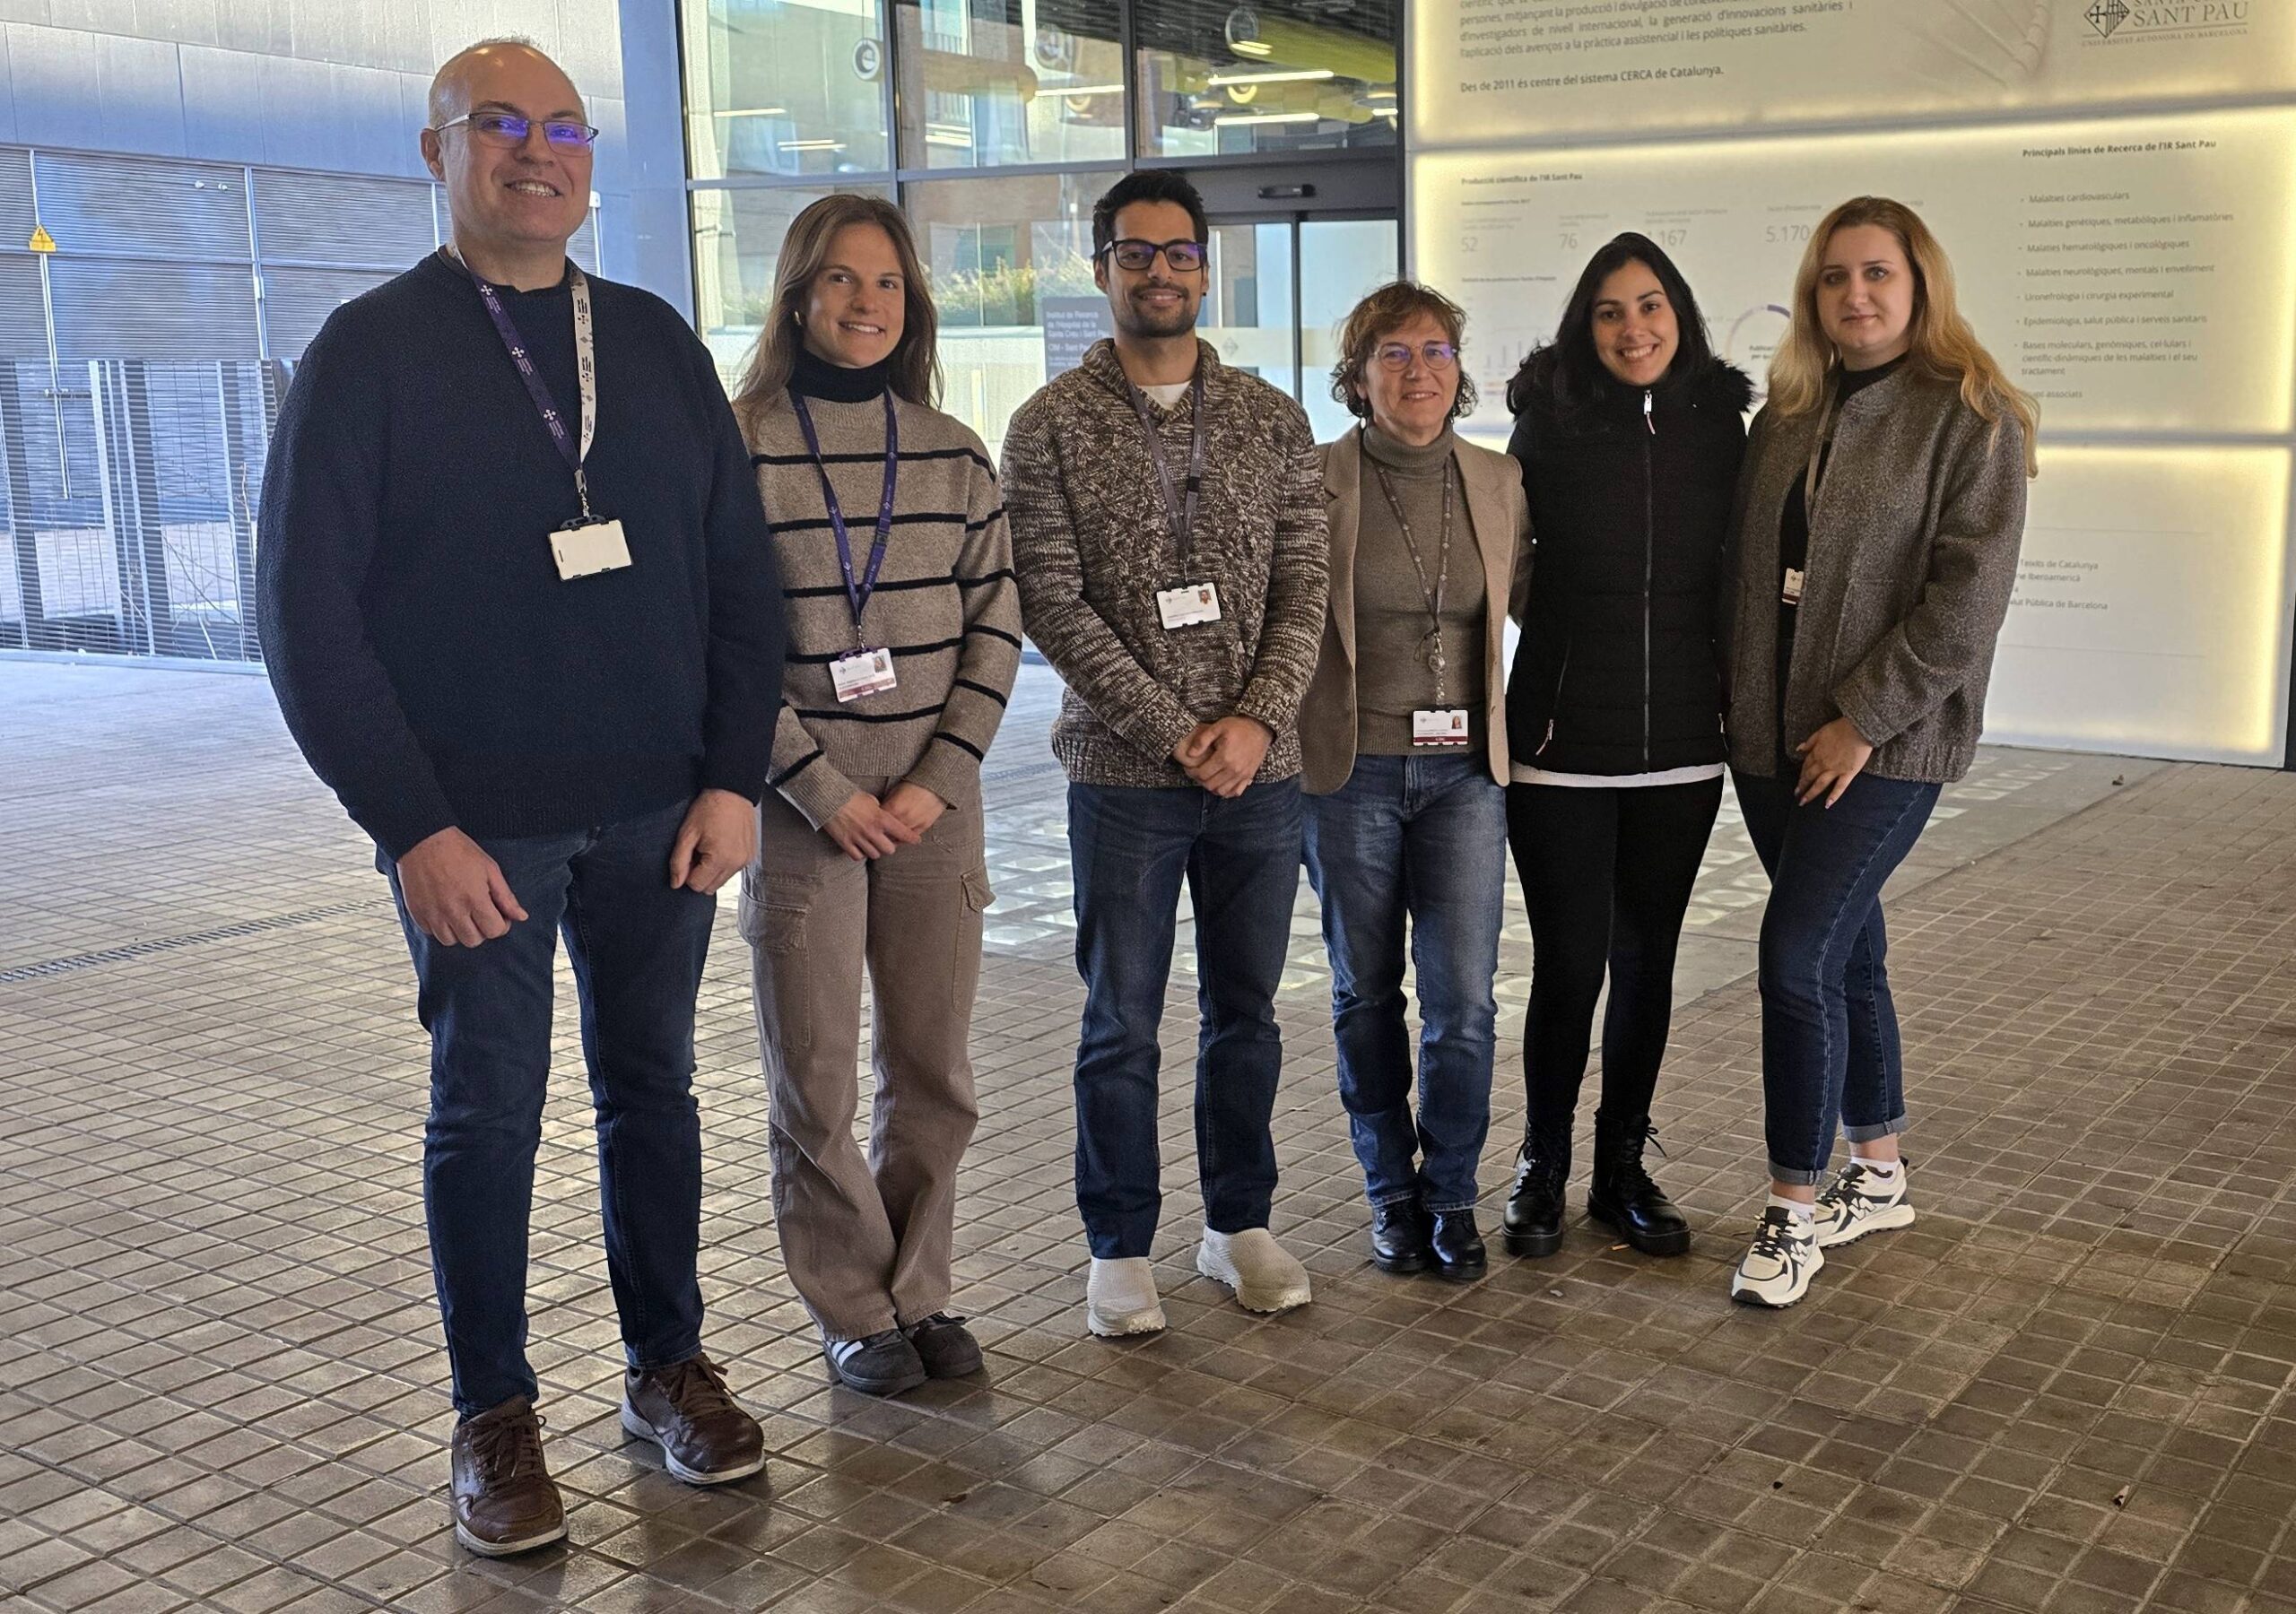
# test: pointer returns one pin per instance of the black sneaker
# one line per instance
(945, 1345)
(883, 1363)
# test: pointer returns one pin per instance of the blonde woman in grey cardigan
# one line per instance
(1879, 515)
(904, 636)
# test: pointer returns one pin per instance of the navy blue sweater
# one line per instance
(431, 664)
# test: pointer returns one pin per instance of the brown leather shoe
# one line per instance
(706, 1439)
(504, 1501)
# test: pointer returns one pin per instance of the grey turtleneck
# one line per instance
(1392, 678)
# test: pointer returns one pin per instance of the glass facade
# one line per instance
(996, 124)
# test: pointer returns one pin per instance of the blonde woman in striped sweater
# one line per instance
(904, 638)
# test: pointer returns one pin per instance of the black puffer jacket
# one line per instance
(1630, 498)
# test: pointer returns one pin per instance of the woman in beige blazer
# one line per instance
(1403, 736)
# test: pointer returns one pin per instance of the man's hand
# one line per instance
(455, 893)
(863, 829)
(1831, 758)
(715, 843)
(915, 806)
(1224, 757)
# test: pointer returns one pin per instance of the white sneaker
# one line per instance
(1859, 1202)
(1776, 1272)
(1253, 1264)
(1120, 1299)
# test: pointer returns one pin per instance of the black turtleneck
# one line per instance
(817, 378)
(1794, 532)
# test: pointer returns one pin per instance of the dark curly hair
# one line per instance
(1382, 314)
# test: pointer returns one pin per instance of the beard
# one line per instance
(1135, 320)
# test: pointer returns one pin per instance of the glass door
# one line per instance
(1279, 289)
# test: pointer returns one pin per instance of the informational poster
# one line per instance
(2114, 182)
(1491, 71)
(1072, 324)
(2153, 603)
(2131, 273)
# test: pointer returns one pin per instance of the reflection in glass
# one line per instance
(785, 87)
(1218, 77)
(1248, 311)
(737, 249)
(1341, 261)
(1000, 253)
(992, 82)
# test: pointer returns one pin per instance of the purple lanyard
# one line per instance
(585, 370)
(1179, 512)
(857, 593)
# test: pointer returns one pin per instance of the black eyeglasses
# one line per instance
(508, 130)
(1185, 257)
(1396, 356)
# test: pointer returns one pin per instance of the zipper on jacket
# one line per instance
(1649, 546)
(1555, 705)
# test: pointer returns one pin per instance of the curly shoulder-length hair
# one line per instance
(1380, 316)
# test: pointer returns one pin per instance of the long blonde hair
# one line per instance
(1943, 344)
(915, 369)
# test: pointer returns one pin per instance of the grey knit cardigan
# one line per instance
(1912, 560)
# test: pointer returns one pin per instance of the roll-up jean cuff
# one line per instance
(1880, 1129)
(1796, 1177)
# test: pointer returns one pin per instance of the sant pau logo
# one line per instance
(2124, 19)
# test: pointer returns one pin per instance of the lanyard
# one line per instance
(1179, 513)
(857, 592)
(1817, 454)
(1437, 663)
(586, 370)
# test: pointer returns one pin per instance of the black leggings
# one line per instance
(1606, 876)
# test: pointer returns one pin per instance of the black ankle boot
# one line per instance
(1399, 1237)
(1623, 1194)
(1457, 1246)
(1534, 1216)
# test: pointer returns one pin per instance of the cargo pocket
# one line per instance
(772, 919)
(965, 979)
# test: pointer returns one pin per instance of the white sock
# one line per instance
(1805, 1212)
(1885, 1170)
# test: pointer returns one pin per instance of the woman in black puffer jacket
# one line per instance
(1630, 431)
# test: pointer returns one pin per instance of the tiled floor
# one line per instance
(2067, 1388)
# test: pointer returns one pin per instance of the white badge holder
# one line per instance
(865, 671)
(1791, 593)
(1439, 726)
(1188, 604)
(583, 549)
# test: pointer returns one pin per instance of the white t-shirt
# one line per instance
(1523, 773)
(1169, 393)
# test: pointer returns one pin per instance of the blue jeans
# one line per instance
(1830, 1051)
(1241, 858)
(637, 947)
(1423, 839)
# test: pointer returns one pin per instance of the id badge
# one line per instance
(1188, 605)
(1791, 593)
(861, 673)
(583, 548)
(1439, 726)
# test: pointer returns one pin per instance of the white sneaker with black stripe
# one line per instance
(1861, 1201)
(1777, 1270)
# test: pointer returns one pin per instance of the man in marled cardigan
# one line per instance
(1177, 732)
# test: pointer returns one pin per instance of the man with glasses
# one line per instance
(520, 608)
(1168, 527)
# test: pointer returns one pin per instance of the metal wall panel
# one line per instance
(24, 323)
(136, 204)
(322, 218)
(296, 303)
(151, 310)
(15, 196)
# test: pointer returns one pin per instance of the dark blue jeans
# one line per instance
(637, 947)
(1422, 839)
(1830, 1052)
(1241, 858)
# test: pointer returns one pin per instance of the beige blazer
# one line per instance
(1500, 517)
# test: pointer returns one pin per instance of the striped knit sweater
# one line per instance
(945, 604)
(1093, 547)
